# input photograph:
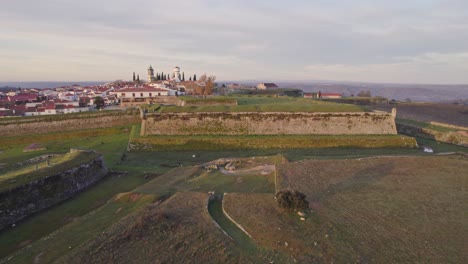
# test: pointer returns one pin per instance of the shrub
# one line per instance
(292, 200)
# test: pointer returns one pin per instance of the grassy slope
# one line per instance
(60, 242)
(280, 230)
(162, 143)
(18, 176)
(39, 225)
(425, 125)
(111, 143)
(178, 231)
(389, 209)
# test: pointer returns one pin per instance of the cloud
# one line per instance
(417, 69)
(255, 39)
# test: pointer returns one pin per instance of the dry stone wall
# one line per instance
(273, 123)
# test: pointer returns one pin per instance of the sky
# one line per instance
(399, 41)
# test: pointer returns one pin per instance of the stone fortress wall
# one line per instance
(269, 123)
(37, 195)
(62, 123)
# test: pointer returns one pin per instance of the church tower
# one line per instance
(150, 74)
(176, 74)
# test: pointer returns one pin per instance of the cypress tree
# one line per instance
(190, 79)
(133, 76)
(195, 77)
(168, 77)
(162, 76)
(183, 76)
(138, 78)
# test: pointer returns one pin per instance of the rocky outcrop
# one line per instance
(21, 201)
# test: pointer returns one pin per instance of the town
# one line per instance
(157, 88)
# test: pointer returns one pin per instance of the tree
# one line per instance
(99, 102)
(292, 200)
(163, 77)
(209, 85)
(133, 76)
(194, 77)
(183, 76)
(190, 79)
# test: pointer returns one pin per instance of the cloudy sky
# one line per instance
(404, 41)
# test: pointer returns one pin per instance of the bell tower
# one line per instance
(150, 74)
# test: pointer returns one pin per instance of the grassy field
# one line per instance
(425, 125)
(51, 118)
(427, 112)
(264, 104)
(208, 142)
(111, 142)
(364, 208)
(390, 210)
(282, 231)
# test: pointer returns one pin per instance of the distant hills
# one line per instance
(414, 92)
(41, 85)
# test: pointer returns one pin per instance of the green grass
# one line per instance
(425, 125)
(389, 210)
(51, 118)
(216, 99)
(245, 242)
(42, 224)
(111, 142)
(60, 242)
(265, 104)
(221, 183)
(169, 182)
(439, 147)
(272, 227)
(208, 142)
(16, 176)
(179, 230)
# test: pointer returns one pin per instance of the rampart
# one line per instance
(269, 123)
(67, 122)
(19, 202)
